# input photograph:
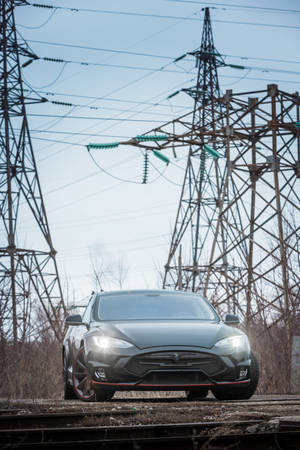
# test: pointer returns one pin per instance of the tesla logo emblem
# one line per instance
(176, 357)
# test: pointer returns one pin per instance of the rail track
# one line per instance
(177, 436)
(27, 421)
(97, 425)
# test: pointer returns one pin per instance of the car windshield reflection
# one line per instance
(138, 306)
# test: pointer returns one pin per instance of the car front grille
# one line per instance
(175, 378)
(180, 360)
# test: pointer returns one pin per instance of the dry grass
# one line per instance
(31, 370)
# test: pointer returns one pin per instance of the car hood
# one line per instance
(145, 334)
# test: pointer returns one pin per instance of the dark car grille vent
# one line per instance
(141, 364)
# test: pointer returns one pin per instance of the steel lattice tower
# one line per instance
(28, 276)
(249, 205)
(237, 234)
(198, 194)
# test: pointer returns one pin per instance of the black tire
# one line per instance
(240, 392)
(104, 396)
(197, 394)
(81, 379)
(68, 392)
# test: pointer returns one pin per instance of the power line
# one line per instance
(256, 58)
(101, 108)
(223, 76)
(94, 118)
(74, 133)
(57, 141)
(86, 197)
(108, 50)
(173, 58)
(54, 81)
(232, 22)
(103, 11)
(107, 251)
(109, 99)
(115, 66)
(168, 90)
(164, 176)
(258, 8)
(142, 77)
(159, 16)
(90, 175)
(122, 179)
(110, 174)
(111, 216)
(39, 26)
(261, 69)
(272, 80)
(108, 244)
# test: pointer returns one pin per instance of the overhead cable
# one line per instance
(59, 44)
(230, 5)
(121, 179)
(233, 66)
(39, 26)
(160, 16)
(93, 118)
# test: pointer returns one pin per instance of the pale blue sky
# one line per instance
(89, 210)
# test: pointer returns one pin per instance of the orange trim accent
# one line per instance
(221, 383)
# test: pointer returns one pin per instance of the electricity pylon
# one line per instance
(221, 257)
(198, 194)
(236, 236)
(28, 275)
(249, 234)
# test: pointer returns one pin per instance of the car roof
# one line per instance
(148, 292)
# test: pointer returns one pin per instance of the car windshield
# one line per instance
(154, 306)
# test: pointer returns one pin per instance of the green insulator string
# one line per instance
(145, 138)
(107, 145)
(202, 167)
(146, 167)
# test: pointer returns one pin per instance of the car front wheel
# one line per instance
(68, 393)
(81, 379)
(240, 392)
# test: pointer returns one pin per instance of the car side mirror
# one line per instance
(75, 319)
(231, 319)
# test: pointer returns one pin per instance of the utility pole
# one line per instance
(28, 275)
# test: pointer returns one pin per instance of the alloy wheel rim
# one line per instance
(81, 378)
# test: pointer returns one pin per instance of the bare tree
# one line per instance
(107, 273)
(119, 272)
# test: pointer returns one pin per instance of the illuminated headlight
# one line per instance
(106, 342)
(233, 344)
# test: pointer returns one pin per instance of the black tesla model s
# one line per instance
(156, 340)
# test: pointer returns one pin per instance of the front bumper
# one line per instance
(140, 386)
(166, 369)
